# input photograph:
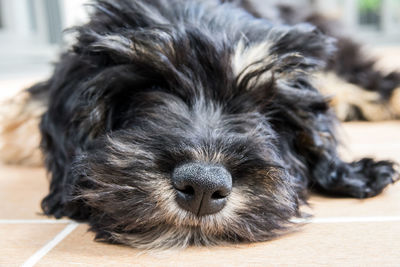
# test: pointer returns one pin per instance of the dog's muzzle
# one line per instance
(202, 188)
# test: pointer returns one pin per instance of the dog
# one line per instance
(171, 123)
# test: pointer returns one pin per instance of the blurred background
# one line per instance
(31, 30)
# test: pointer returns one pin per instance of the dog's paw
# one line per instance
(372, 177)
(359, 179)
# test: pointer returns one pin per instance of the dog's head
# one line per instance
(188, 114)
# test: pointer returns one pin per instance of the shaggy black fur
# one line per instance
(150, 85)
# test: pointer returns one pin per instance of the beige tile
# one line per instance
(21, 190)
(385, 204)
(18, 242)
(355, 244)
(380, 141)
(379, 153)
(367, 133)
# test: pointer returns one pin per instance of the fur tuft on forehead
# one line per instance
(195, 56)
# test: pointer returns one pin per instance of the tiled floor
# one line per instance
(344, 232)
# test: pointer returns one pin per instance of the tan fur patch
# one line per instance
(19, 132)
(248, 59)
(395, 102)
(345, 95)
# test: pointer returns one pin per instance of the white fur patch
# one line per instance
(247, 59)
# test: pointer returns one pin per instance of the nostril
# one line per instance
(187, 190)
(218, 195)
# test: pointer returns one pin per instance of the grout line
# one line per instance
(312, 220)
(349, 219)
(35, 221)
(376, 146)
(50, 245)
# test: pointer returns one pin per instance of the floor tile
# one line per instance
(385, 204)
(371, 133)
(378, 140)
(18, 242)
(355, 244)
(21, 190)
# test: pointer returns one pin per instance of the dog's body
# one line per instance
(360, 90)
(156, 91)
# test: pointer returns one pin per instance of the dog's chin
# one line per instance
(191, 230)
(152, 219)
(156, 221)
(208, 230)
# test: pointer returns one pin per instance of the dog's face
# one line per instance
(182, 143)
(151, 179)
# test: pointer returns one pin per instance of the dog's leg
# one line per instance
(379, 97)
(59, 202)
(326, 171)
(355, 70)
(360, 179)
(352, 102)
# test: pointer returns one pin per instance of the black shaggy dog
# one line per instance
(172, 123)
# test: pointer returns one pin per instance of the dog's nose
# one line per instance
(202, 188)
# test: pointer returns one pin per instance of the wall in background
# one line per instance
(371, 21)
(31, 30)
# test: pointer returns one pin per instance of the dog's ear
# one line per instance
(304, 39)
(281, 53)
(277, 67)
